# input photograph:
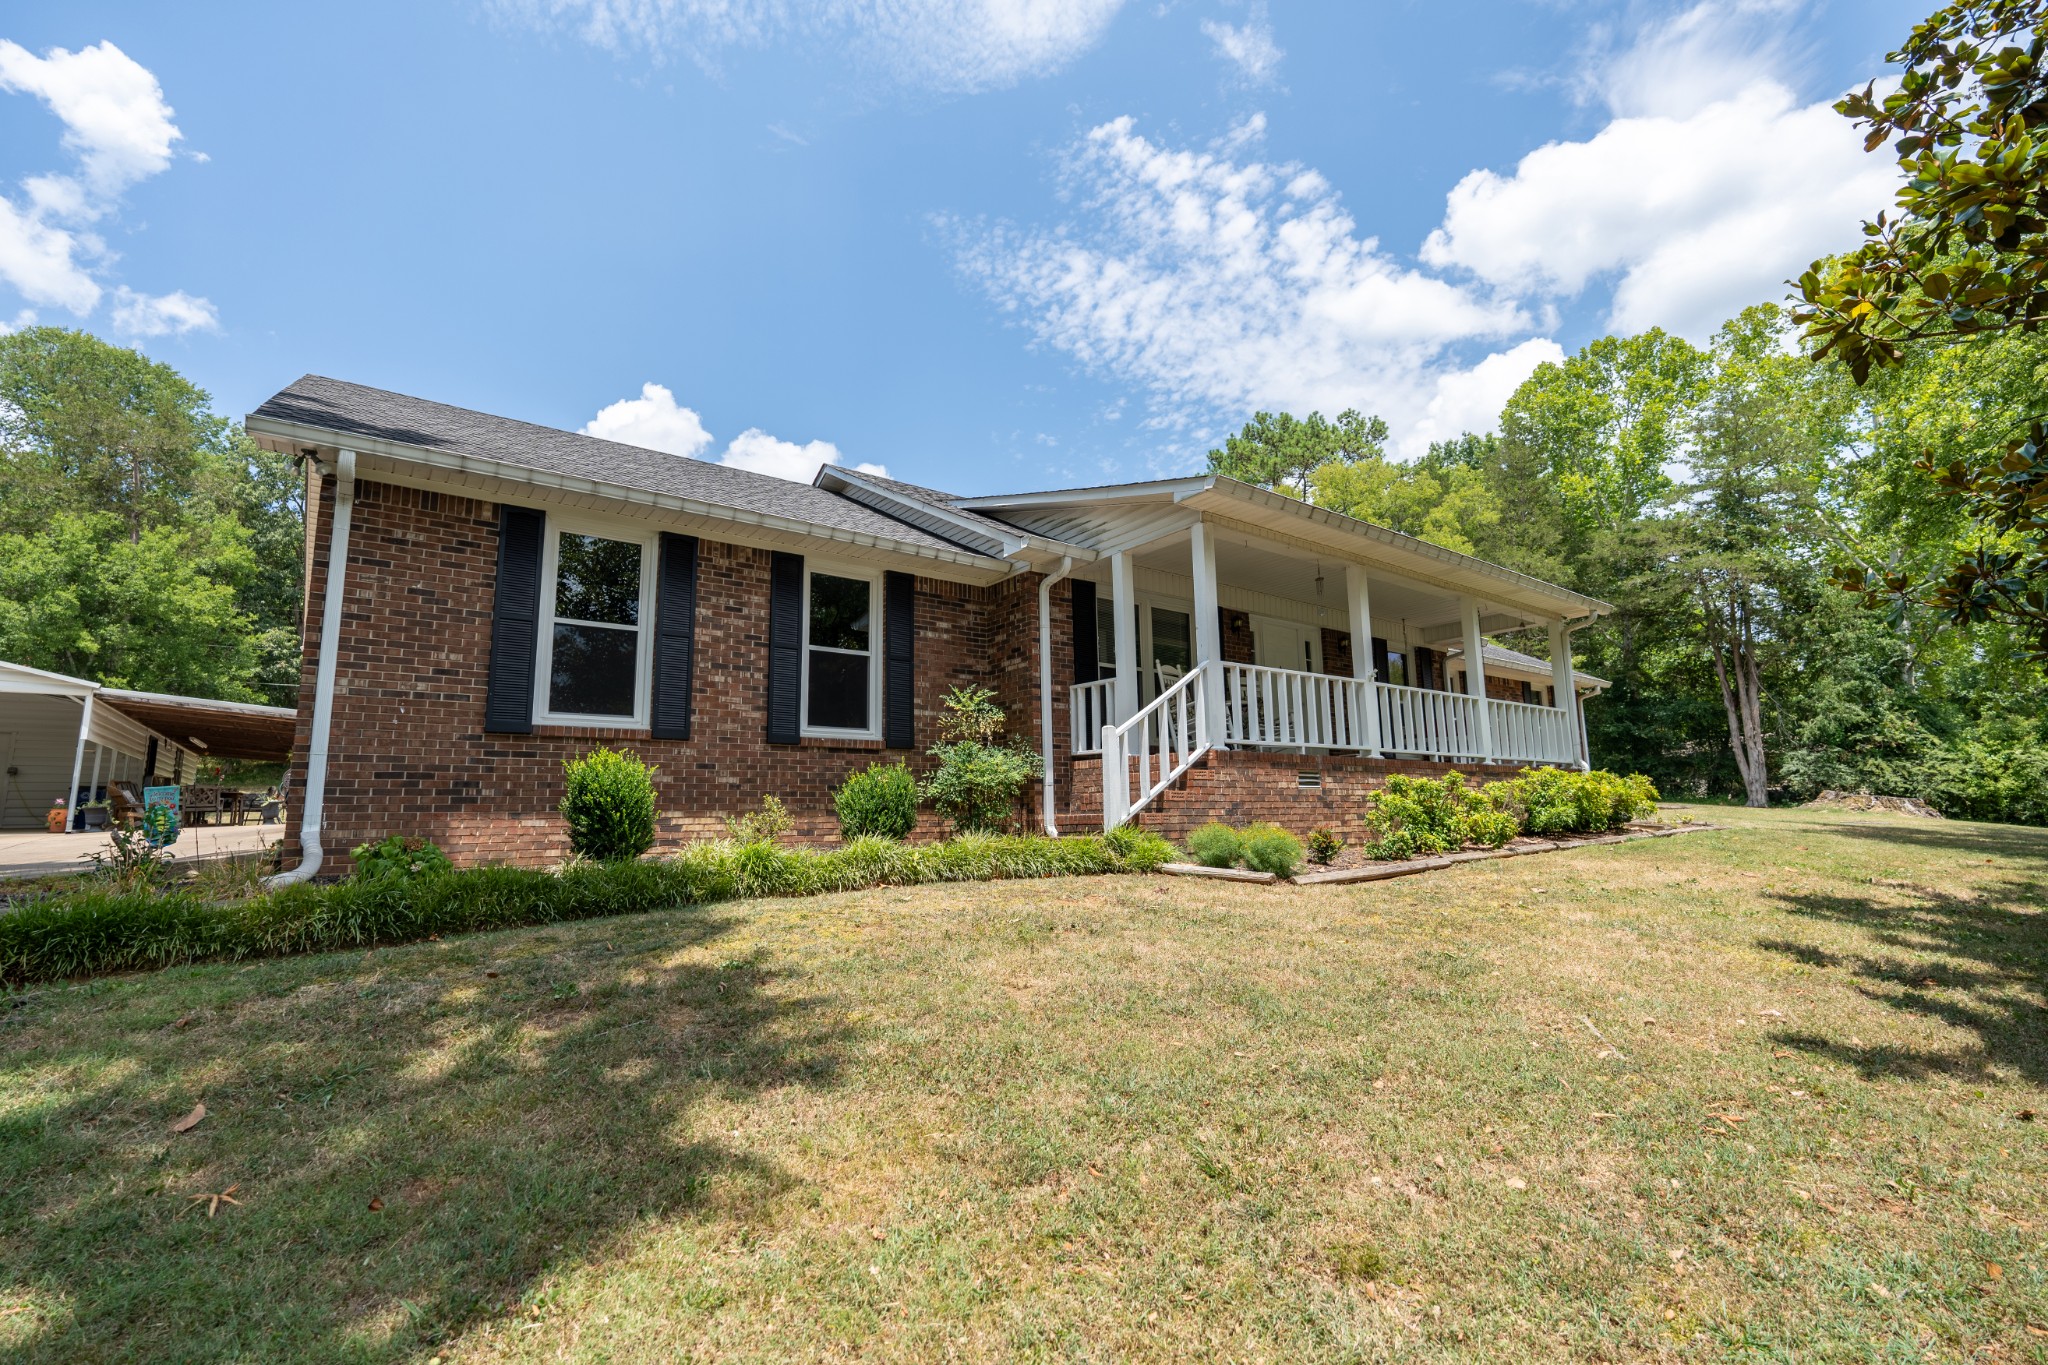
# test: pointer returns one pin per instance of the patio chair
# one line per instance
(197, 801)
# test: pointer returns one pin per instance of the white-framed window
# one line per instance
(596, 619)
(842, 692)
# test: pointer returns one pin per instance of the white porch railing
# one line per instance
(1091, 705)
(1523, 733)
(1147, 753)
(1285, 708)
(1427, 723)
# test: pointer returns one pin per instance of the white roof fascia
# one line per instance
(1169, 490)
(473, 466)
(25, 681)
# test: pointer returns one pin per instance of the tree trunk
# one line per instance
(1731, 642)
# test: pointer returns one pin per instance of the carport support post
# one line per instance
(1475, 676)
(92, 788)
(1360, 598)
(71, 816)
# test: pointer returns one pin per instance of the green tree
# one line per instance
(1964, 257)
(117, 481)
(1283, 452)
(1447, 503)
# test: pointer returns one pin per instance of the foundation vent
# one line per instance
(1309, 779)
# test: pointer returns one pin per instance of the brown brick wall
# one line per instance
(408, 754)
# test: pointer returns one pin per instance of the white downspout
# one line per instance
(1046, 784)
(310, 853)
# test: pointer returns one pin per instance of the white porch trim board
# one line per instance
(1475, 673)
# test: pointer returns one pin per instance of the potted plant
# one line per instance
(95, 814)
(54, 821)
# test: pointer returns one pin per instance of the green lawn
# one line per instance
(1761, 1093)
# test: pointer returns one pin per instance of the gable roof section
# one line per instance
(1500, 656)
(941, 513)
(316, 405)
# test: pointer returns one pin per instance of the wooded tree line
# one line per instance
(1714, 495)
(145, 541)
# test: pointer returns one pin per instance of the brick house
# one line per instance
(507, 596)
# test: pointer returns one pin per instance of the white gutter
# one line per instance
(1047, 782)
(310, 853)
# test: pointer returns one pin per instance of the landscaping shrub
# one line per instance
(1324, 844)
(1269, 848)
(978, 781)
(1561, 801)
(763, 825)
(882, 800)
(397, 856)
(78, 935)
(609, 804)
(1419, 816)
(1215, 845)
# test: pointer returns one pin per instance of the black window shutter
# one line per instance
(149, 761)
(1379, 659)
(785, 648)
(1425, 667)
(1087, 665)
(899, 661)
(675, 636)
(515, 621)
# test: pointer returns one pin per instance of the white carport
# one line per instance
(58, 740)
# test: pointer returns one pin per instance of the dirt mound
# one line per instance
(1904, 805)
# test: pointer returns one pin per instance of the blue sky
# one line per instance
(985, 244)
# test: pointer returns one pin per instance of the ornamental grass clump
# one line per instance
(96, 932)
(608, 801)
(1269, 848)
(1216, 845)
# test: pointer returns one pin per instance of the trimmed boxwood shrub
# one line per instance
(609, 804)
(1216, 845)
(91, 933)
(882, 800)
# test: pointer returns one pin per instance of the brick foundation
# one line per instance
(1241, 786)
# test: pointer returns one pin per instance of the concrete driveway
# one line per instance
(36, 854)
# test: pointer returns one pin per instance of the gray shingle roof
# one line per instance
(945, 502)
(1514, 658)
(354, 409)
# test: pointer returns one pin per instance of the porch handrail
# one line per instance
(1288, 708)
(1164, 739)
(1526, 733)
(1091, 705)
(1421, 720)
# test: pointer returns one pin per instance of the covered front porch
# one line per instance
(1218, 618)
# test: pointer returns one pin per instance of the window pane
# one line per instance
(839, 690)
(1105, 641)
(1170, 639)
(1397, 669)
(593, 671)
(598, 580)
(839, 612)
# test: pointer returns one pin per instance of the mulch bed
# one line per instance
(1352, 865)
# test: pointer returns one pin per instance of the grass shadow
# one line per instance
(1978, 962)
(2014, 843)
(417, 1136)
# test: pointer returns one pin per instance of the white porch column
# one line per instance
(1360, 598)
(77, 762)
(1585, 749)
(92, 788)
(1208, 638)
(1123, 590)
(1475, 674)
(1564, 683)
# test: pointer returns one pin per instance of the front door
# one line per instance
(1285, 644)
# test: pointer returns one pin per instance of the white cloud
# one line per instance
(141, 315)
(119, 128)
(953, 46)
(1248, 46)
(1471, 400)
(112, 108)
(1709, 190)
(1222, 285)
(656, 421)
